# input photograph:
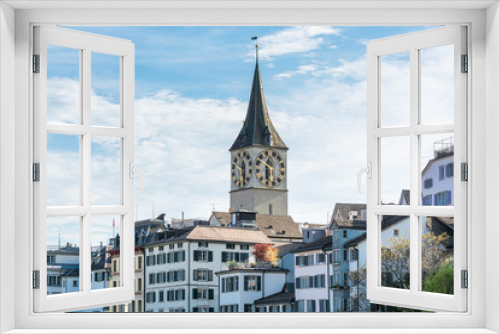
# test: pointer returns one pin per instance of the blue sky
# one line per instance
(192, 89)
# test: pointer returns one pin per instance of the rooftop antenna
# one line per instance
(213, 206)
(114, 228)
(153, 209)
(254, 38)
(59, 238)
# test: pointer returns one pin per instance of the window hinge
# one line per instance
(36, 172)
(464, 171)
(465, 64)
(36, 63)
(465, 279)
(36, 279)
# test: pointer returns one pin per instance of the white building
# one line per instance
(63, 270)
(437, 176)
(313, 267)
(240, 288)
(180, 266)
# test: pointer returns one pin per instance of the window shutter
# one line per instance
(195, 293)
(183, 294)
(210, 256)
(236, 283)
(245, 280)
(210, 275)
(259, 283)
(183, 256)
(323, 281)
(297, 260)
(297, 283)
(224, 256)
(195, 274)
(176, 257)
(237, 257)
(311, 281)
(195, 309)
(195, 255)
(211, 294)
(210, 309)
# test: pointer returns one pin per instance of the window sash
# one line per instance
(86, 43)
(413, 298)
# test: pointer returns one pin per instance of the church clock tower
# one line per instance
(258, 160)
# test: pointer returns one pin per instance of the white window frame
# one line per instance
(412, 43)
(15, 152)
(86, 43)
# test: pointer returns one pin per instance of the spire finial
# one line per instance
(254, 38)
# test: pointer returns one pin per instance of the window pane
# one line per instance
(106, 171)
(63, 170)
(105, 100)
(395, 90)
(437, 254)
(104, 238)
(437, 165)
(395, 170)
(63, 85)
(437, 85)
(63, 255)
(395, 252)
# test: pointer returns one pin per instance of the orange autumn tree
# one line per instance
(265, 253)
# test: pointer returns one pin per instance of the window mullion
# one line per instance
(85, 251)
(414, 168)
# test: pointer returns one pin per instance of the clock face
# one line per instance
(241, 169)
(270, 168)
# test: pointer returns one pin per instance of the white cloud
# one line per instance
(293, 40)
(182, 143)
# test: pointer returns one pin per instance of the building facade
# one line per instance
(241, 287)
(180, 269)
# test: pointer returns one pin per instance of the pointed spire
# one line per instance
(257, 128)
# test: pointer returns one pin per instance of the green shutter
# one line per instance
(195, 293)
(224, 256)
(195, 309)
(210, 309)
(195, 255)
(297, 283)
(195, 274)
(211, 294)
(245, 279)
(237, 257)
(210, 256)
(259, 283)
(210, 275)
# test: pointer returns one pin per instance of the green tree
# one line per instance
(441, 281)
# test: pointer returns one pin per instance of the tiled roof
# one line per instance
(321, 243)
(345, 208)
(273, 226)
(216, 233)
(387, 221)
(253, 270)
(286, 248)
(351, 224)
(287, 295)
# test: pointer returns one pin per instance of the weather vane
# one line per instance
(254, 38)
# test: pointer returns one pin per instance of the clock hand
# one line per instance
(271, 168)
(237, 166)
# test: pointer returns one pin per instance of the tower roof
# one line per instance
(258, 126)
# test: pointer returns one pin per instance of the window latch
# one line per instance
(368, 171)
(133, 170)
